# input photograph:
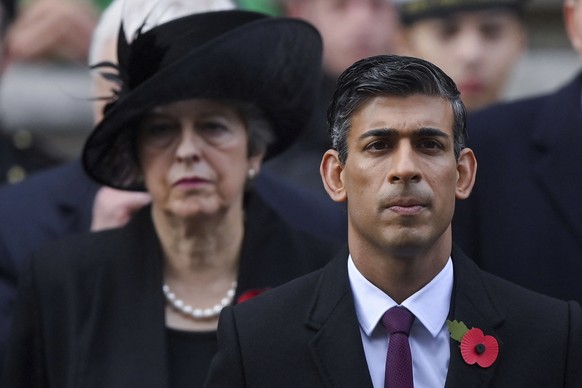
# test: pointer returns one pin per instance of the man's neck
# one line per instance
(400, 276)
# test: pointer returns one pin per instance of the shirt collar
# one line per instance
(430, 304)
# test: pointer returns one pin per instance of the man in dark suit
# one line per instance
(399, 161)
(523, 220)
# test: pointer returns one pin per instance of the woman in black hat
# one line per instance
(204, 99)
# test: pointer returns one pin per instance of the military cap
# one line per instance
(413, 10)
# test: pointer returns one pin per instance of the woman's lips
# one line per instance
(191, 182)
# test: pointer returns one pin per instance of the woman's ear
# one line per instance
(255, 163)
(466, 173)
(331, 174)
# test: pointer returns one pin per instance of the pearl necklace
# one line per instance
(197, 313)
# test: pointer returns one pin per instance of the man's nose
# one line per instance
(404, 166)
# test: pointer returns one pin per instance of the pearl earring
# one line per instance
(251, 174)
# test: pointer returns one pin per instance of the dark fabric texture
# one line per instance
(310, 325)
(44, 207)
(90, 310)
(523, 220)
(189, 356)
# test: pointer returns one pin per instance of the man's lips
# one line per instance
(406, 206)
(406, 210)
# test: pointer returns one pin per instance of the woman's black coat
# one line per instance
(90, 310)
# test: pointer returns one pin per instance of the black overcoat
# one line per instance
(306, 334)
(523, 220)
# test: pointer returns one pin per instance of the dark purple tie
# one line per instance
(397, 322)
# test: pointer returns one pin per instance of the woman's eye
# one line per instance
(158, 134)
(213, 127)
(155, 130)
(215, 132)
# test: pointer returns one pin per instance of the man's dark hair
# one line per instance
(390, 75)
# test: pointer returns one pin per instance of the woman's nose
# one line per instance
(189, 146)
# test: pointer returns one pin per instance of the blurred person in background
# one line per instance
(191, 123)
(47, 30)
(20, 152)
(351, 30)
(523, 220)
(477, 42)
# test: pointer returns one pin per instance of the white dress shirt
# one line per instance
(429, 336)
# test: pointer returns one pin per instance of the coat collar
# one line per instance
(557, 138)
(333, 316)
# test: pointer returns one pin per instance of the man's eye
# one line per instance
(492, 32)
(378, 146)
(448, 31)
(431, 144)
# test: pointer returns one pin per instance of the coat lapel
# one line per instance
(557, 139)
(337, 347)
(471, 304)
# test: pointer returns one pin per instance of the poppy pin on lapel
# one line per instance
(476, 347)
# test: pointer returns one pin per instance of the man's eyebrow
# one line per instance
(391, 132)
(430, 132)
(379, 132)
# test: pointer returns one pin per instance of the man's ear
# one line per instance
(331, 173)
(466, 173)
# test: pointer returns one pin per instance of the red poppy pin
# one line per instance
(476, 347)
(250, 294)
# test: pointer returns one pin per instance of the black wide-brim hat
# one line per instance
(274, 63)
(413, 10)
